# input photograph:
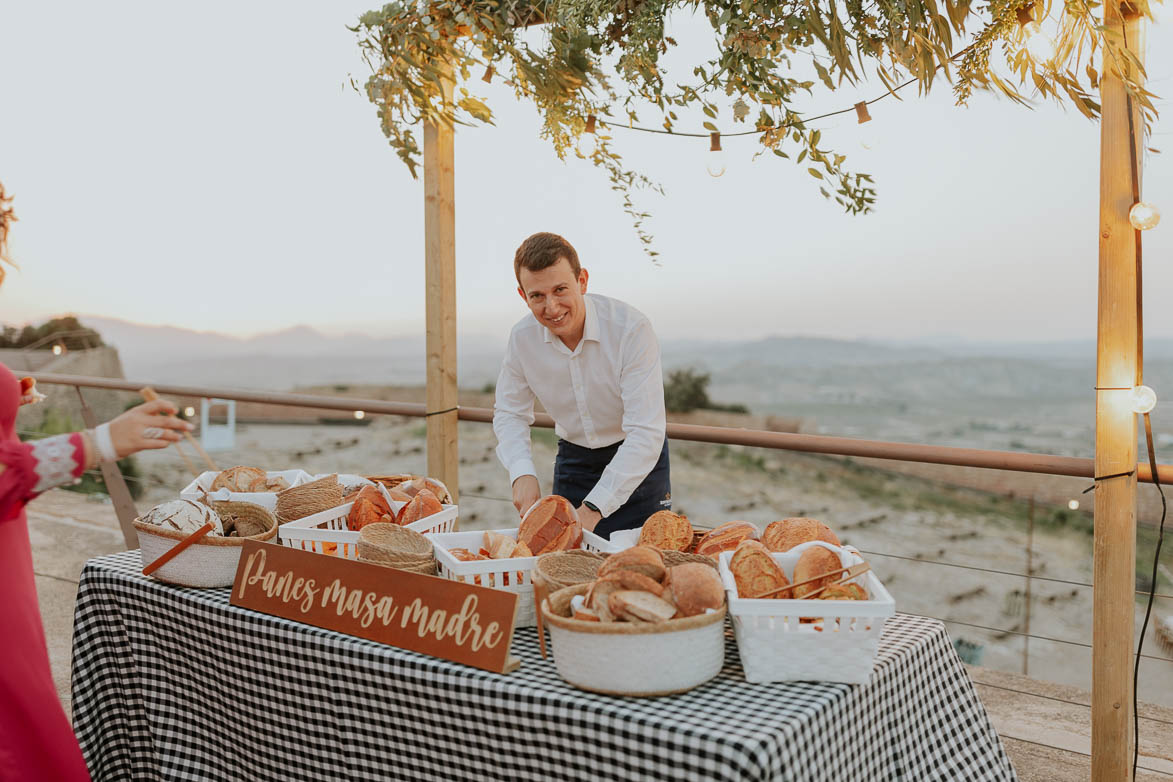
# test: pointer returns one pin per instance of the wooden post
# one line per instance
(1116, 365)
(1030, 568)
(116, 487)
(440, 260)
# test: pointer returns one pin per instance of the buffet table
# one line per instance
(174, 683)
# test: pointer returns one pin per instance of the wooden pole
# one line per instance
(1116, 368)
(116, 487)
(1030, 550)
(440, 260)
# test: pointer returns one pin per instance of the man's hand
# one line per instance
(526, 492)
(589, 518)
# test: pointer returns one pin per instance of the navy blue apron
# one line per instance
(578, 469)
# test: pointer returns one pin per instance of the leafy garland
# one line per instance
(415, 49)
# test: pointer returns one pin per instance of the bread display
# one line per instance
(694, 588)
(309, 498)
(756, 572)
(785, 534)
(370, 507)
(815, 561)
(726, 537)
(183, 516)
(242, 479)
(422, 505)
(634, 586)
(550, 525)
(667, 530)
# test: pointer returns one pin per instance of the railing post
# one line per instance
(1116, 368)
(440, 260)
(116, 487)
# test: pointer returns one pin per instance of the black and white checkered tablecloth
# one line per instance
(173, 683)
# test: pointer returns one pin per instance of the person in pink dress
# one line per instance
(36, 740)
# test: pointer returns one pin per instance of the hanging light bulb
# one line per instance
(588, 140)
(188, 411)
(867, 139)
(359, 415)
(715, 163)
(1073, 504)
(1144, 216)
(58, 350)
(1143, 399)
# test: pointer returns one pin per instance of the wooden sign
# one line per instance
(454, 620)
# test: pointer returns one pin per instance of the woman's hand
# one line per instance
(150, 425)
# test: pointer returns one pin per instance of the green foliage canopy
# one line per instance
(603, 58)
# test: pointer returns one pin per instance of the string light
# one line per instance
(1143, 399)
(58, 350)
(359, 415)
(715, 163)
(588, 140)
(488, 77)
(1073, 504)
(188, 412)
(1144, 216)
(867, 139)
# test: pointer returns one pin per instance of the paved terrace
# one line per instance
(1046, 727)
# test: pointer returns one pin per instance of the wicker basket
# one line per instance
(209, 562)
(775, 646)
(622, 658)
(560, 569)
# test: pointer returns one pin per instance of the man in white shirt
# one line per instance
(594, 364)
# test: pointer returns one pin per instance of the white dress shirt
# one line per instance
(609, 388)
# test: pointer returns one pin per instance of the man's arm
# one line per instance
(641, 385)
(513, 413)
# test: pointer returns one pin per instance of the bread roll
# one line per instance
(422, 505)
(783, 535)
(756, 572)
(369, 508)
(632, 604)
(815, 561)
(667, 530)
(726, 537)
(241, 479)
(844, 592)
(645, 560)
(694, 588)
(550, 525)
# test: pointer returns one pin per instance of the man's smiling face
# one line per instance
(555, 297)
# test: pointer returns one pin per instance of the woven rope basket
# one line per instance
(210, 562)
(560, 569)
(623, 658)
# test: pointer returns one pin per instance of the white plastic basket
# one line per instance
(203, 484)
(509, 575)
(597, 543)
(776, 647)
(326, 532)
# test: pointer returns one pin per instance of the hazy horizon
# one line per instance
(253, 191)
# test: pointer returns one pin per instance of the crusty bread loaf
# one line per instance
(634, 605)
(499, 546)
(241, 478)
(844, 592)
(815, 561)
(667, 530)
(422, 505)
(586, 615)
(369, 508)
(550, 525)
(725, 537)
(645, 560)
(785, 534)
(598, 596)
(694, 588)
(521, 550)
(464, 555)
(629, 579)
(756, 572)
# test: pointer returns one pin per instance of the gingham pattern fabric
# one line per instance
(176, 684)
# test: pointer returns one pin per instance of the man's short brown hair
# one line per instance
(541, 251)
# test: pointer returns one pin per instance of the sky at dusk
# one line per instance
(208, 166)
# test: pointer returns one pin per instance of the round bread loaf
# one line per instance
(422, 505)
(183, 516)
(241, 479)
(667, 530)
(756, 572)
(550, 525)
(815, 561)
(785, 534)
(645, 560)
(844, 592)
(694, 588)
(629, 579)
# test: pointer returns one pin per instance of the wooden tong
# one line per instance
(175, 550)
(844, 574)
(150, 395)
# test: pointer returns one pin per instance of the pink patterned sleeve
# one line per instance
(35, 467)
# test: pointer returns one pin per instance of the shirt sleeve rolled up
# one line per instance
(513, 414)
